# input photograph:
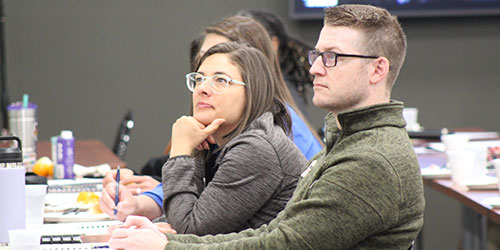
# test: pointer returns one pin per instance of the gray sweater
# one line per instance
(257, 173)
(363, 191)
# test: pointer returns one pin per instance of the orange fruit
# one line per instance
(95, 209)
(87, 197)
(44, 167)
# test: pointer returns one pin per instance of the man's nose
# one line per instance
(317, 68)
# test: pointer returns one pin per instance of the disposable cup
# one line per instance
(25, 239)
(35, 203)
(496, 163)
(455, 141)
(461, 163)
(411, 117)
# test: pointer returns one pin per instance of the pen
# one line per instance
(117, 188)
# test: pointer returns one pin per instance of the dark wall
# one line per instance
(86, 62)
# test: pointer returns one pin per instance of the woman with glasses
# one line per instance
(235, 107)
(234, 28)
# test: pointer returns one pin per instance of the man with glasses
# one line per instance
(364, 190)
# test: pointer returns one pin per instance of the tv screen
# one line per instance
(313, 9)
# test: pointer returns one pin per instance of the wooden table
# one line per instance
(87, 153)
(475, 214)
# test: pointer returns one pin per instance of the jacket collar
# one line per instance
(354, 120)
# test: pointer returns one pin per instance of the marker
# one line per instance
(117, 188)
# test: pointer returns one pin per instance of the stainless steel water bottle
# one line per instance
(23, 124)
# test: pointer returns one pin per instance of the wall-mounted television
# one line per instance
(313, 9)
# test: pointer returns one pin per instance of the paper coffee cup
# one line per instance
(35, 203)
(461, 163)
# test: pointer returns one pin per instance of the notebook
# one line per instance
(81, 246)
(67, 235)
(74, 185)
(79, 228)
(57, 204)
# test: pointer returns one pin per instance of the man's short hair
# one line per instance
(383, 35)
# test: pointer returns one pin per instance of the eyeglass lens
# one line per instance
(216, 82)
(328, 58)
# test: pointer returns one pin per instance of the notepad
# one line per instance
(81, 246)
(56, 205)
(66, 236)
(74, 185)
(79, 228)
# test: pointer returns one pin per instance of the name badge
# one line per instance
(308, 169)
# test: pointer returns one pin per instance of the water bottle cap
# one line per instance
(67, 134)
(12, 154)
(19, 106)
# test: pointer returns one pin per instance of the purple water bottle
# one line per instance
(66, 153)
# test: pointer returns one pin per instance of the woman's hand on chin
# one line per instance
(188, 134)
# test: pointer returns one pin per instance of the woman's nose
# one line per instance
(204, 87)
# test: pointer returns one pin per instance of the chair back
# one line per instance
(123, 135)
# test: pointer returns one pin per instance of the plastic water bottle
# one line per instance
(66, 153)
(12, 210)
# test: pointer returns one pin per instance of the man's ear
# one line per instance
(381, 67)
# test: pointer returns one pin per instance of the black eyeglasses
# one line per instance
(329, 58)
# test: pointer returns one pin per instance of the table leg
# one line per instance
(474, 230)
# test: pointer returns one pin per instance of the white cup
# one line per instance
(35, 203)
(461, 163)
(496, 163)
(480, 159)
(455, 141)
(411, 117)
(25, 239)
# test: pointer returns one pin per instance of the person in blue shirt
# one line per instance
(291, 53)
(239, 29)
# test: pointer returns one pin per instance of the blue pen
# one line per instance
(117, 188)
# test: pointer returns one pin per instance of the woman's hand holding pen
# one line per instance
(127, 203)
(136, 233)
(135, 183)
(188, 134)
(125, 176)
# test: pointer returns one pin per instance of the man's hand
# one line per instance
(137, 233)
(165, 227)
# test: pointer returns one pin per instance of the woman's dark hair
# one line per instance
(292, 52)
(194, 50)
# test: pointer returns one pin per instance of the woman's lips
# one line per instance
(203, 105)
